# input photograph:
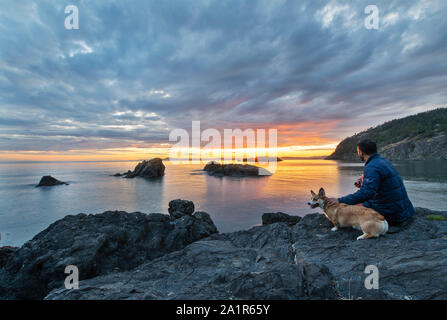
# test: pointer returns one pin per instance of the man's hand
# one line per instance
(331, 202)
(359, 182)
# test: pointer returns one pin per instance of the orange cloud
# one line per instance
(303, 139)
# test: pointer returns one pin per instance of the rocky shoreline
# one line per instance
(422, 136)
(182, 256)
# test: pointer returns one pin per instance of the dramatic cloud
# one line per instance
(137, 69)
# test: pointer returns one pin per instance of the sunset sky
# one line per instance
(135, 70)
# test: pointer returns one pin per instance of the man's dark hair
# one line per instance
(367, 146)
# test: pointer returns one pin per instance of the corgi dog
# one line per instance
(372, 223)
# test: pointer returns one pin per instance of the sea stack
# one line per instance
(152, 168)
(234, 169)
(49, 181)
(267, 159)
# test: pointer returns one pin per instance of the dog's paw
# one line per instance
(361, 237)
(334, 229)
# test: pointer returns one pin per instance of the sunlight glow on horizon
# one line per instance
(124, 154)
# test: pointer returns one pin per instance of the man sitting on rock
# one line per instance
(382, 188)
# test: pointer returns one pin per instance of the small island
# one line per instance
(262, 159)
(214, 168)
(49, 181)
(153, 168)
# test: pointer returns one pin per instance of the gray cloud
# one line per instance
(137, 69)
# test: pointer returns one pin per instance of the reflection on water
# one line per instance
(433, 170)
(429, 170)
(234, 203)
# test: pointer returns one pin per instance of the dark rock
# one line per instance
(269, 218)
(277, 261)
(412, 264)
(124, 174)
(213, 166)
(48, 181)
(427, 212)
(113, 241)
(234, 169)
(217, 267)
(178, 208)
(5, 253)
(152, 168)
(176, 214)
(207, 227)
(129, 258)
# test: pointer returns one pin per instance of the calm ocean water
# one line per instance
(233, 203)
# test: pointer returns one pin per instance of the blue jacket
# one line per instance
(382, 190)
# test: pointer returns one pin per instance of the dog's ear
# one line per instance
(321, 193)
(313, 193)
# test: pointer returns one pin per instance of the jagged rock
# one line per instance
(278, 261)
(207, 227)
(49, 181)
(269, 218)
(98, 244)
(152, 168)
(234, 169)
(178, 208)
(412, 263)
(213, 166)
(216, 268)
(128, 258)
(124, 174)
(5, 253)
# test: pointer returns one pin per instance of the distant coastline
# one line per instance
(418, 137)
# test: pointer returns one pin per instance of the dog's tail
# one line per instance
(384, 227)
